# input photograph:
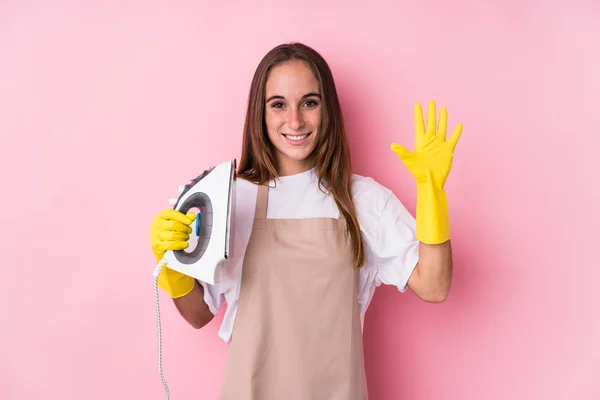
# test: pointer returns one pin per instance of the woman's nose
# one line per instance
(295, 119)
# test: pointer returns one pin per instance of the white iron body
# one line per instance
(211, 241)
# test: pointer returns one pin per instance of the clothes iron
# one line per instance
(211, 242)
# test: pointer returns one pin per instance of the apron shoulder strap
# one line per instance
(262, 197)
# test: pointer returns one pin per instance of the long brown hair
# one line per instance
(332, 155)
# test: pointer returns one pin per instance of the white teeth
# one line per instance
(295, 137)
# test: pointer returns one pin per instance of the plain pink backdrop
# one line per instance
(105, 107)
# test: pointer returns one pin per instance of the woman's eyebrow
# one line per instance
(312, 94)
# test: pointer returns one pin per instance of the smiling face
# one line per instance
(293, 115)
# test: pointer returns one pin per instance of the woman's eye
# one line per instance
(277, 105)
(311, 103)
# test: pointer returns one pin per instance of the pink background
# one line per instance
(106, 107)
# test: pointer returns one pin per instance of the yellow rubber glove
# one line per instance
(170, 230)
(430, 165)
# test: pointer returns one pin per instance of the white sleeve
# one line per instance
(213, 296)
(396, 250)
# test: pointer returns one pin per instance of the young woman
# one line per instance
(313, 240)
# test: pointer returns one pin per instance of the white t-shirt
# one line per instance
(388, 231)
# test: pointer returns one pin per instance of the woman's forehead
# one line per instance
(291, 79)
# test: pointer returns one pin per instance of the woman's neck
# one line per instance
(296, 167)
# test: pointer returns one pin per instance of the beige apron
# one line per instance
(297, 332)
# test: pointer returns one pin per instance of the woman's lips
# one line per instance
(296, 140)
